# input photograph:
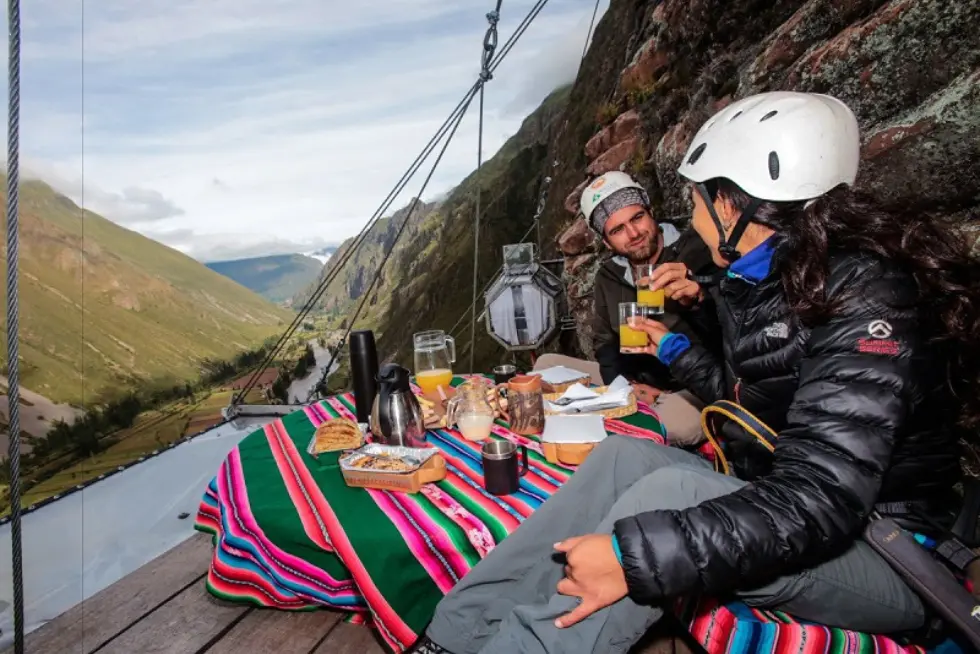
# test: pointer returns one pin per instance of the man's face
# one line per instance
(632, 232)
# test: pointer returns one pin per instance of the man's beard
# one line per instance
(643, 254)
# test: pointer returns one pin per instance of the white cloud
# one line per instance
(239, 126)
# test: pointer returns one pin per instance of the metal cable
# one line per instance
(489, 46)
(588, 36)
(543, 196)
(13, 313)
(401, 230)
(358, 241)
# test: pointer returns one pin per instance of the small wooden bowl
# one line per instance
(572, 454)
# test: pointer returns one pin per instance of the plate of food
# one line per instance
(337, 435)
(375, 457)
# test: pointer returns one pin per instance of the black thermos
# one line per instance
(364, 372)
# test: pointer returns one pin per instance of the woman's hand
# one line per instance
(654, 331)
(592, 573)
(673, 279)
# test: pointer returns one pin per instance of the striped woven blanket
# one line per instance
(290, 534)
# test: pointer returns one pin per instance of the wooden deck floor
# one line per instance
(164, 608)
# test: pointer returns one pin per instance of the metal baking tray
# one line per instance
(309, 448)
(415, 457)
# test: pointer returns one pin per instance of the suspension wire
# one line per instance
(335, 270)
(588, 36)
(401, 230)
(518, 33)
(489, 46)
(13, 313)
(358, 241)
(543, 196)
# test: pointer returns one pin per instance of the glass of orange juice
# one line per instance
(653, 300)
(629, 337)
(435, 352)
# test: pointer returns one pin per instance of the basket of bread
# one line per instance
(394, 468)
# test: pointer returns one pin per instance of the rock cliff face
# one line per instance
(910, 69)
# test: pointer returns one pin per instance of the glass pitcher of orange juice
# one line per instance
(435, 354)
(629, 337)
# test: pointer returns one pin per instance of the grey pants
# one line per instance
(508, 604)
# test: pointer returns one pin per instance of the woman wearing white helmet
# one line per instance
(854, 334)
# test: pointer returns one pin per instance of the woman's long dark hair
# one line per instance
(935, 254)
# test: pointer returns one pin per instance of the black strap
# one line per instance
(949, 548)
(956, 553)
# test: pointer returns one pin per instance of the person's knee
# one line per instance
(615, 446)
(675, 488)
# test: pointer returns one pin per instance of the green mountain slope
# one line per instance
(343, 294)
(277, 278)
(427, 283)
(103, 308)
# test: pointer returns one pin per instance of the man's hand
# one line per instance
(654, 331)
(592, 573)
(673, 279)
(647, 394)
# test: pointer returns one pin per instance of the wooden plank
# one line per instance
(350, 639)
(89, 624)
(188, 623)
(267, 631)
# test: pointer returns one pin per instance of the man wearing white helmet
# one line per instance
(851, 331)
(617, 208)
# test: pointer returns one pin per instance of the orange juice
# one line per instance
(430, 380)
(650, 298)
(629, 337)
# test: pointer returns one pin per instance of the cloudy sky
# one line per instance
(231, 128)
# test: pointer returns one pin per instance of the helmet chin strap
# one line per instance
(726, 245)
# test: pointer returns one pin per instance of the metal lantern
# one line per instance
(525, 301)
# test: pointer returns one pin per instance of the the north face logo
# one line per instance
(777, 330)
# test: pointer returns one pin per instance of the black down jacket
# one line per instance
(862, 414)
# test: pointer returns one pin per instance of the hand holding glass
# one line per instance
(646, 296)
(629, 337)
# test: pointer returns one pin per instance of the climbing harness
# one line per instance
(13, 313)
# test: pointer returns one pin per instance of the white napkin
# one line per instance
(618, 394)
(559, 374)
(573, 429)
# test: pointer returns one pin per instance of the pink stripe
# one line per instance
(393, 629)
(314, 529)
(236, 496)
(442, 540)
(414, 540)
(476, 531)
(340, 408)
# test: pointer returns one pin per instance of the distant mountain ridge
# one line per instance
(103, 308)
(276, 277)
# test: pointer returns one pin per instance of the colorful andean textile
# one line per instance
(290, 534)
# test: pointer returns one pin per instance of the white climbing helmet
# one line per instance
(604, 186)
(782, 146)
